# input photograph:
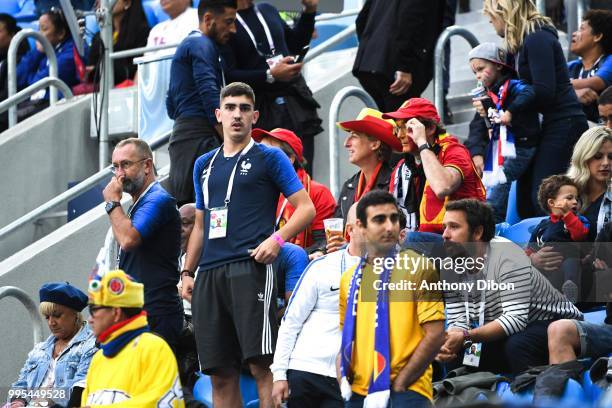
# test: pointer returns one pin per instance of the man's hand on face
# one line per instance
(416, 131)
(114, 189)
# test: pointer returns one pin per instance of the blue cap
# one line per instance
(63, 293)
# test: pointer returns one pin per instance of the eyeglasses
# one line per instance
(93, 309)
(126, 164)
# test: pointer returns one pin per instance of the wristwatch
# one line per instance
(424, 146)
(111, 205)
(467, 339)
(269, 77)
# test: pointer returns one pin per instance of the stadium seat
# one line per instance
(512, 216)
(10, 6)
(326, 30)
(596, 317)
(27, 11)
(91, 28)
(521, 232)
(202, 390)
(592, 391)
(501, 228)
(196, 3)
(573, 393)
(149, 9)
(32, 25)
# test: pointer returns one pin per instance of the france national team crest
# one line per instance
(245, 166)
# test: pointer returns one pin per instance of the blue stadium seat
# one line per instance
(10, 6)
(159, 12)
(196, 3)
(596, 317)
(501, 228)
(325, 30)
(91, 28)
(573, 393)
(592, 391)
(521, 232)
(202, 390)
(512, 216)
(34, 26)
(27, 11)
(149, 9)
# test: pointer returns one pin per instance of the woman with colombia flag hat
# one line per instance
(369, 144)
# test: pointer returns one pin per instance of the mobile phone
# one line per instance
(300, 57)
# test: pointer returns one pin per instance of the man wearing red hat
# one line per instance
(313, 237)
(446, 170)
(369, 144)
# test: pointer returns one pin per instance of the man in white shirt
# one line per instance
(309, 335)
(183, 20)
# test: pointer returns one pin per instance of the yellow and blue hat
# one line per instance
(116, 289)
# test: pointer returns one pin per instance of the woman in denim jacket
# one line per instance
(55, 369)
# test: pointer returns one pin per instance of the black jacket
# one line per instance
(399, 35)
(525, 121)
(347, 194)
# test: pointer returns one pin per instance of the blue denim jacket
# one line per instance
(70, 369)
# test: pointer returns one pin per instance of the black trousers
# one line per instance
(191, 138)
(313, 390)
(377, 85)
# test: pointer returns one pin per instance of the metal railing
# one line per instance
(24, 298)
(330, 42)
(69, 194)
(12, 68)
(439, 60)
(334, 111)
(32, 89)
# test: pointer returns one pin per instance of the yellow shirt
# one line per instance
(143, 374)
(409, 308)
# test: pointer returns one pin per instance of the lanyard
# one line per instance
(230, 184)
(591, 72)
(142, 195)
(252, 36)
(481, 310)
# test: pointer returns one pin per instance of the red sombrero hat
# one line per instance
(284, 135)
(371, 123)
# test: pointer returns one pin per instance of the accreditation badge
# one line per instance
(272, 61)
(471, 355)
(218, 223)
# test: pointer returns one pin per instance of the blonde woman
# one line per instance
(59, 363)
(539, 61)
(591, 169)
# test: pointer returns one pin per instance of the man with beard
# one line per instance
(149, 234)
(507, 323)
(196, 78)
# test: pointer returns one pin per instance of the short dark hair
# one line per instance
(215, 7)
(403, 221)
(601, 23)
(440, 130)
(477, 213)
(549, 188)
(375, 197)
(237, 89)
(9, 23)
(606, 97)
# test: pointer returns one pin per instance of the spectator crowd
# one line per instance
(234, 266)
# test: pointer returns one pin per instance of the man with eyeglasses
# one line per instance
(149, 234)
(133, 367)
(234, 310)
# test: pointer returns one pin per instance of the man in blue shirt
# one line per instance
(237, 188)
(149, 234)
(196, 76)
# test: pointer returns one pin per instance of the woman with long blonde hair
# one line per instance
(591, 168)
(539, 60)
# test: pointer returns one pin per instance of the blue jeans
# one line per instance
(426, 243)
(497, 196)
(408, 398)
(595, 339)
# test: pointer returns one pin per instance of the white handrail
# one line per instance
(24, 298)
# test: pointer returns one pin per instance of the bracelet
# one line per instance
(278, 239)
(188, 273)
